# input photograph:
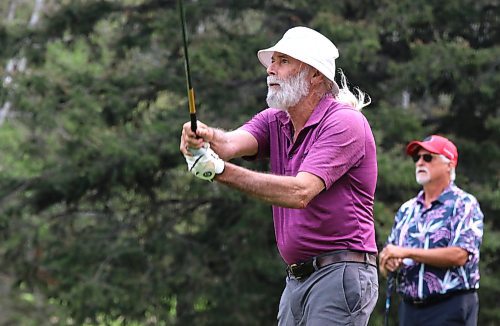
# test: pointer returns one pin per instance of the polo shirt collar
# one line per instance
(320, 110)
(317, 114)
(442, 197)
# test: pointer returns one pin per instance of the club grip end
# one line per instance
(193, 122)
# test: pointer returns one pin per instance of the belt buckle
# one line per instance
(303, 269)
(293, 268)
(418, 302)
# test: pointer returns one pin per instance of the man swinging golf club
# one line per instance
(323, 172)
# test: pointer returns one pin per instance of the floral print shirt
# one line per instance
(454, 219)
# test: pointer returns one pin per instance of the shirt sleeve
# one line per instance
(395, 231)
(468, 228)
(339, 146)
(402, 223)
(258, 127)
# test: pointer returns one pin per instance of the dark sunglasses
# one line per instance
(427, 157)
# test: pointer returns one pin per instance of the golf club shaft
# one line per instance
(190, 90)
(390, 286)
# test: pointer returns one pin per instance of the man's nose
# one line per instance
(271, 69)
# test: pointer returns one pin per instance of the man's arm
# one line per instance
(390, 265)
(437, 257)
(227, 145)
(284, 191)
(236, 143)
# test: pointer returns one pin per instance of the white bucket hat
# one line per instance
(308, 46)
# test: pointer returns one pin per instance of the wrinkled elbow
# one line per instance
(301, 204)
(462, 257)
(302, 191)
(301, 200)
(463, 260)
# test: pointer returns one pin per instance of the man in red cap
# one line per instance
(433, 248)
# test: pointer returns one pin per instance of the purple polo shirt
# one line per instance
(337, 145)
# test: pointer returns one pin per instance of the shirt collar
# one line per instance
(442, 196)
(320, 110)
(317, 114)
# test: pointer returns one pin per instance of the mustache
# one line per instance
(421, 169)
(274, 80)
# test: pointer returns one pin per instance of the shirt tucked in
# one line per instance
(337, 145)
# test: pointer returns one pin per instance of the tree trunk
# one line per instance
(35, 16)
(16, 65)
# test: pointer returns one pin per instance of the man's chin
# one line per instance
(276, 105)
(422, 181)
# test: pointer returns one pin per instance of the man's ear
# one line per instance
(317, 77)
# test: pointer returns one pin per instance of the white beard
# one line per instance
(422, 179)
(290, 91)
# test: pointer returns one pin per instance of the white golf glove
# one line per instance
(204, 163)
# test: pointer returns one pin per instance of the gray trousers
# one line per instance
(337, 294)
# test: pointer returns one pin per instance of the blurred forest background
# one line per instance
(100, 223)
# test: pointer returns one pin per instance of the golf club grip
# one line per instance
(192, 109)
(193, 122)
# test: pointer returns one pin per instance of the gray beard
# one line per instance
(422, 180)
(291, 90)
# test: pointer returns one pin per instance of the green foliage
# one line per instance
(99, 222)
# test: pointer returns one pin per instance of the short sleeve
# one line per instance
(468, 225)
(339, 146)
(258, 127)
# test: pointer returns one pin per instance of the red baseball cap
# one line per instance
(434, 144)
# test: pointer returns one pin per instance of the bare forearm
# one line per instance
(227, 145)
(232, 144)
(438, 257)
(221, 144)
(282, 191)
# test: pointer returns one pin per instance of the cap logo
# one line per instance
(449, 153)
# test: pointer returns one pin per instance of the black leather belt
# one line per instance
(436, 298)
(304, 269)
